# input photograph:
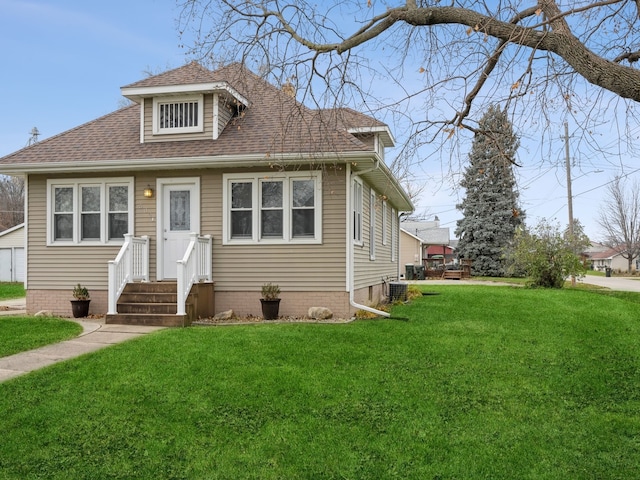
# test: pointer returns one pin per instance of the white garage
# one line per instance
(12, 260)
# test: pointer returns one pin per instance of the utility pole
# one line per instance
(569, 194)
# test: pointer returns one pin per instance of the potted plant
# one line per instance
(270, 301)
(80, 304)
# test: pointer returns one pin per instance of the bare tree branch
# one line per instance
(619, 216)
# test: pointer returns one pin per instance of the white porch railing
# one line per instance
(194, 267)
(131, 264)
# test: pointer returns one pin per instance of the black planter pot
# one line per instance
(80, 308)
(270, 308)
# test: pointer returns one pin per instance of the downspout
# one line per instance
(350, 249)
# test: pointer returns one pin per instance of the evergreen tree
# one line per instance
(490, 209)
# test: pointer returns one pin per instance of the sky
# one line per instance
(64, 61)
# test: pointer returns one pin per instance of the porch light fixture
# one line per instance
(148, 192)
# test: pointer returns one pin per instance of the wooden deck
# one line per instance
(453, 275)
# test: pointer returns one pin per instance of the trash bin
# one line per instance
(419, 272)
(608, 271)
(408, 271)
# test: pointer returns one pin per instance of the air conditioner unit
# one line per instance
(397, 291)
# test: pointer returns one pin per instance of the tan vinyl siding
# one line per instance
(145, 215)
(206, 134)
(235, 267)
(372, 272)
(410, 250)
(294, 267)
(368, 139)
(60, 267)
(225, 114)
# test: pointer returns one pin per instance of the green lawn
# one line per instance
(18, 334)
(9, 290)
(469, 382)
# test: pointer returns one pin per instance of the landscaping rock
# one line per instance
(228, 315)
(319, 313)
(44, 313)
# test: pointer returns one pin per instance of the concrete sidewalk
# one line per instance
(95, 335)
(16, 306)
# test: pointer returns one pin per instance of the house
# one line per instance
(435, 241)
(213, 178)
(12, 259)
(610, 258)
(410, 249)
(438, 254)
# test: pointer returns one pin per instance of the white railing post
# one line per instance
(112, 309)
(182, 298)
(131, 263)
(195, 266)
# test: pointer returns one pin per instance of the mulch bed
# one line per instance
(257, 320)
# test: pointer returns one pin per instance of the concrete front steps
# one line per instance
(155, 304)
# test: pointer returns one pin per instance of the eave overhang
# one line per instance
(135, 94)
(382, 131)
(380, 177)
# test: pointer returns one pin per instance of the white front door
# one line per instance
(180, 216)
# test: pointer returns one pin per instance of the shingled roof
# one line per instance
(274, 124)
(272, 127)
(192, 73)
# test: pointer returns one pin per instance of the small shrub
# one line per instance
(270, 291)
(413, 292)
(80, 292)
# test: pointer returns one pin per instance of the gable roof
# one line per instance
(191, 73)
(274, 130)
(191, 78)
(607, 254)
(428, 232)
(410, 235)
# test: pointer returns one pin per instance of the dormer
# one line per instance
(378, 137)
(184, 104)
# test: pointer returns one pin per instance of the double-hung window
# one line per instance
(282, 208)
(356, 207)
(394, 234)
(372, 225)
(85, 211)
(178, 114)
(385, 213)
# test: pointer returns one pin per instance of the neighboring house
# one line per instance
(439, 254)
(434, 238)
(218, 176)
(12, 259)
(410, 248)
(610, 258)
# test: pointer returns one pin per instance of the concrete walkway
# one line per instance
(95, 335)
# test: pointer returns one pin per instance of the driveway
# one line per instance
(626, 284)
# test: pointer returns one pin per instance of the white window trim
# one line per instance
(255, 179)
(385, 213)
(356, 210)
(394, 234)
(76, 184)
(372, 224)
(178, 99)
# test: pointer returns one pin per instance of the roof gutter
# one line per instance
(350, 249)
(274, 160)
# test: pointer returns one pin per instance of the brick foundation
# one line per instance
(59, 302)
(295, 304)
